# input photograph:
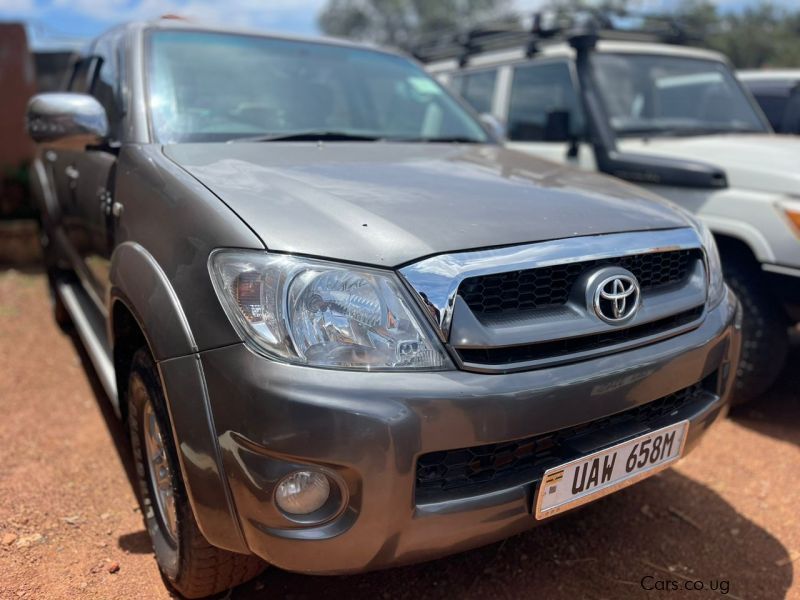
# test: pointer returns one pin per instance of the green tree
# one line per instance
(398, 22)
(762, 35)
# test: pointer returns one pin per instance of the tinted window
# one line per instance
(106, 86)
(656, 94)
(477, 89)
(541, 96)
(774, 106)
(207, 86)
(81, 76)
(791, 118)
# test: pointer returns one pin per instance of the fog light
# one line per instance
(302, 492)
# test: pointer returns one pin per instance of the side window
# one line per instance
(477, 88)
(774, 106)
(105, 86)
(791, 118)
(81, 75)
(544, 104)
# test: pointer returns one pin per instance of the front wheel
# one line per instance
(193, 567)
(765, 331)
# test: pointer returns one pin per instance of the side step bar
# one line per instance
(91, 330)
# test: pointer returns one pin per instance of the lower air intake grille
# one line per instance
(456, 473)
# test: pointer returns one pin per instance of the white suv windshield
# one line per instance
(665, 95)
(206, 86)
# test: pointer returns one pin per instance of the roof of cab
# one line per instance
(564, 50)
(179, 23)
(769, 75)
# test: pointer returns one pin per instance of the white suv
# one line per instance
(778, 93)
(670, 118)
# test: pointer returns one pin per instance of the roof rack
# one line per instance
(547, 28)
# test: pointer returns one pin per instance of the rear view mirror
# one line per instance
(66, 120)
(557, 127)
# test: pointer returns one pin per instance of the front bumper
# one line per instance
(368, 429)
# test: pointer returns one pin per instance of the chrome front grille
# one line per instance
(528, 306)
(533, 289)
(571, 346)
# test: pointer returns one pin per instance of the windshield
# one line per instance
(668, 95)
(206, 86)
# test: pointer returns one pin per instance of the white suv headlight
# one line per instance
(323, 314)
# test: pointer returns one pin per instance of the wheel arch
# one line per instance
(127, 337)
(139, 282)
(145, 311)
(733, 247)
(739, 236)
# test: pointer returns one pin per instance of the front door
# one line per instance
(94, 169)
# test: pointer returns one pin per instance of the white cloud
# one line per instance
(230, 12)
(20, 8)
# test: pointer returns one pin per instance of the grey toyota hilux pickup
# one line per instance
(346, 328)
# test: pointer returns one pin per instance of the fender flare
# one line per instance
(140, 284)
(742, 231)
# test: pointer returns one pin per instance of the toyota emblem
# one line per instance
(616, 298)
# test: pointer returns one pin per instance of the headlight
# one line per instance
(322, 314)
(716, 282)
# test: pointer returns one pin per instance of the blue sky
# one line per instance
(59, 23)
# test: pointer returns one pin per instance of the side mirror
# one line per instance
(494, 125)
(66, 120)
(557, 128)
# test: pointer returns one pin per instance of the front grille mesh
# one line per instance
(457, 472)
(531, 289)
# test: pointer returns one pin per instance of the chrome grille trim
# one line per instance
(435, 280)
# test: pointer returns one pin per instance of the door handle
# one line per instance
(72, 175)
(107, 205)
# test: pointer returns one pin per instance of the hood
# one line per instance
(763, 162)
(388, 204)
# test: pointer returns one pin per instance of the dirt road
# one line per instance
(726, 517)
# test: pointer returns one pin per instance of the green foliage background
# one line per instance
(763, 35)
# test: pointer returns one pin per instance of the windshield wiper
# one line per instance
(310, 136)
(683, 131)
(455, 139)
(341, 136)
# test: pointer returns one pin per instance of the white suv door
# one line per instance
(544, 115)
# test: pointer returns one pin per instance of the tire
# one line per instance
(765, 331)
(190, 564)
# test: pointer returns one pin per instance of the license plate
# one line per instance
(596, 475)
